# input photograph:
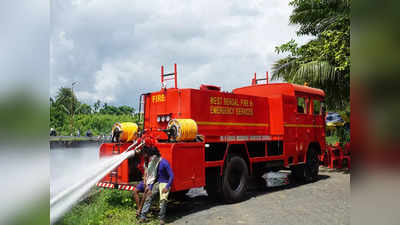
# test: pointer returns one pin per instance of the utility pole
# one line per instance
(71, 109)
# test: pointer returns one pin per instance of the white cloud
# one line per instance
(115, 49)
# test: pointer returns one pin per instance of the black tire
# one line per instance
(308, 171)
(311, 167)
(234, 182)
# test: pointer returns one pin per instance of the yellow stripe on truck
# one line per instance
(232, 124)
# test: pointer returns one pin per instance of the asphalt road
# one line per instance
(325, 201)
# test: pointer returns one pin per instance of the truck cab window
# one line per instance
(316, 107)
(301, 105)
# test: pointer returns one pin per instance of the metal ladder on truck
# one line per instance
(164, 77)
(168, 76)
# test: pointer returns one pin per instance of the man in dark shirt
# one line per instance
(161, 186)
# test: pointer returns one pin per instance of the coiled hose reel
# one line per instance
(182, 130)
(124, 132)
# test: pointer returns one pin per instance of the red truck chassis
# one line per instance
(248, 131)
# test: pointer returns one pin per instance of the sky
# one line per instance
(114, 49)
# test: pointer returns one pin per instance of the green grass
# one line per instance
(107, 207)
(332, 140)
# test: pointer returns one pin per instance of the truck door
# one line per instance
(304, 125)
(290, 132)
(318, 120)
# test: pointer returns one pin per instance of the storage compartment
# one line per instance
(187, 162)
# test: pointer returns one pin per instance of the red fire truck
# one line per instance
(217, 139)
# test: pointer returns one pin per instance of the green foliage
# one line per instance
(109, 109)
(317, 16)
(96, 106)
(323, 62)
(98, 123)
(66, 100)
(331, 140)
(344, 134)
(108, 207)
(126, 109)
(340, 134)
(85, 109)
(66, 110)
(290, 46)
(119, 198)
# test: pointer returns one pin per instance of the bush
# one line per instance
(107, 207)
(101, 208)
(97, 123)
(119, 198)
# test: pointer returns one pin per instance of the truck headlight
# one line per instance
(163, 118)
(168, 118)
(158, 119)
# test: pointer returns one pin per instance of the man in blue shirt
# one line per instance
(162, 185)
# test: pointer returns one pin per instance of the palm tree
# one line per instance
(316, 62)
(69, 103)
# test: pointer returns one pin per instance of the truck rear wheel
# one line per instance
(308, 171)
(234, 183)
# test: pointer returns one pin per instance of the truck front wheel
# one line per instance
(234, 183)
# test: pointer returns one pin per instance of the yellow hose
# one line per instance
(186, 129)
(128, 131)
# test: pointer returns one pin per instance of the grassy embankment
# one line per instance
(107, 207)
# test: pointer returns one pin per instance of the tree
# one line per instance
(58, 117)
(99, 123)
(126, 109)
(323, 62)
(85, 109)
(67, 100)
(113, 110)
(96, 106)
